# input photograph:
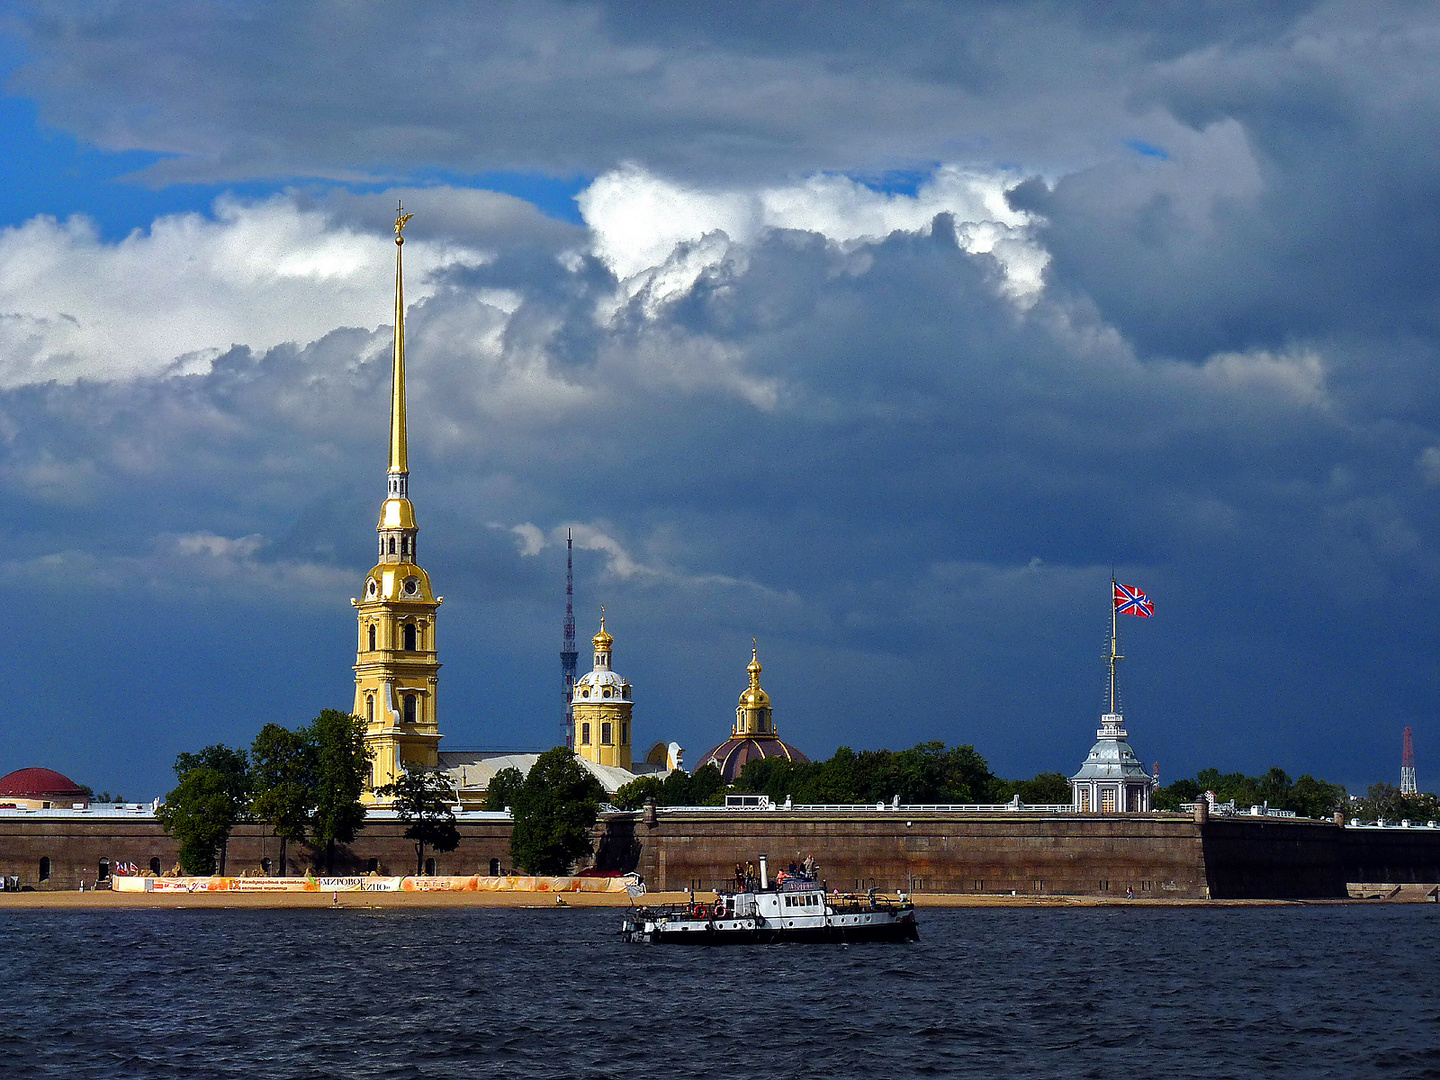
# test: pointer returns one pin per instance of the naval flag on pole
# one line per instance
(1129, 600)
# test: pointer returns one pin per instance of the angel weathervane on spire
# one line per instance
(400, 219)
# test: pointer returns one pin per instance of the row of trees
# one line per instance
(1385, 802)
(303, 783)
(1306, 796)
(928, 773)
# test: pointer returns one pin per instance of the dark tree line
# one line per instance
(303, 783)
(928, 773)
(1385, 802)
(1306, 796)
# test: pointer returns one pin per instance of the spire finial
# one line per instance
(399, 453)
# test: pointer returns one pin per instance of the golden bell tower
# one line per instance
(396, 669)
(602, 704)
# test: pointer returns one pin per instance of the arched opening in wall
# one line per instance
(392, 545)
(404, 545)
(265, 866)
(409, 708)
(370, 699)
(409, 637)
(373, 866)
(494, 867)
(103, 874)
(372, 637)
(429, 867)
(45, 868)
(155, 866)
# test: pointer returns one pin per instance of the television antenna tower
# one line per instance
(1407, 766)
(568, 653)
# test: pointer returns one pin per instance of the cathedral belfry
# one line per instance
(396, 670)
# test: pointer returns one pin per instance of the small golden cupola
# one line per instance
(753, 737)
(396, 665)
(602, 705)
(753, 716)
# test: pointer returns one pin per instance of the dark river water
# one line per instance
(1337, 991)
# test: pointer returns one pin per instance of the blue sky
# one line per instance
(878, 336)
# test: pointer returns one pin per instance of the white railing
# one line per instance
(1229, 809)
(894, 806)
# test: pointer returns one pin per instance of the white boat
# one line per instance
(796, 908)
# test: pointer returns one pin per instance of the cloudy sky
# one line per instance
(880, 333)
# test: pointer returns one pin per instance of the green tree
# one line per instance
(211, 797)
(500, 795)
(1045, 788)
(422, 799)
(1384, 802)
(342, 769)
(706, 787)
(283, 772)
(554, 811)
(928, 773)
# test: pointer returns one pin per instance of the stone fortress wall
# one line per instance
(1157, 855)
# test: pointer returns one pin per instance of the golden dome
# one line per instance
(602, 641)
(753, 696)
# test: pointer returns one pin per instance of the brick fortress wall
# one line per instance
(75, 846)
(1156, 855)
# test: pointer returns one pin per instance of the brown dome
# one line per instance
(735, 753)
(37, 783)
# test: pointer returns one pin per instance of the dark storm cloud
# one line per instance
(908, 483)
(1331, 227)
(346, 91)
(934, 470)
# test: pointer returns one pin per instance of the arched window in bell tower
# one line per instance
(372, 637)
(409, 708)
(409, 637)
(392, 545)
(370, 700)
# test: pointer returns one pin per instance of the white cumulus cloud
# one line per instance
(638, 220)
(75, 306)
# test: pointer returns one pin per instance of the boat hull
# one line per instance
(742, 932)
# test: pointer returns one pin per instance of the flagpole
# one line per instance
(1114, 641)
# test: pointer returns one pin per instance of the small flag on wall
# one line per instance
(1131, 601)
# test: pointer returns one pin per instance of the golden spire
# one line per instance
(399, 456)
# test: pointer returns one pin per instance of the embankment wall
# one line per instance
(1155, 855)
(75, 845)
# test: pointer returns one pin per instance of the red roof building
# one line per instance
(41, 789)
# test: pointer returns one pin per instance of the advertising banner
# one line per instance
(369, 883)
